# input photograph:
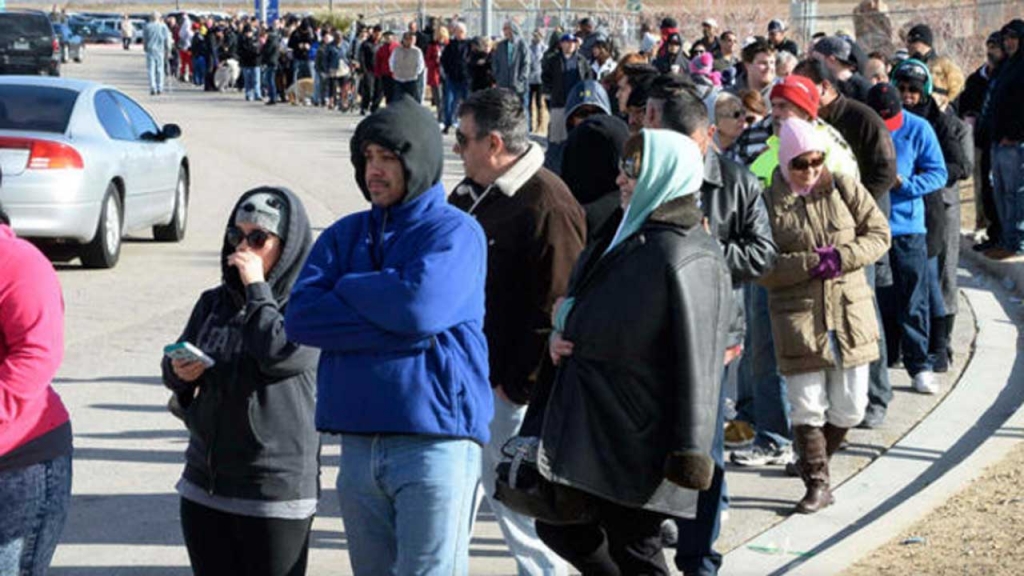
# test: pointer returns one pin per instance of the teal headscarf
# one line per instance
(672, 167)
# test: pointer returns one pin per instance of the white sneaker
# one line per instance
(924, 383)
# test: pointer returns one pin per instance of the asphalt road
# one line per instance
(128, 448)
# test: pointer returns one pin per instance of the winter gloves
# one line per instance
(829, 264)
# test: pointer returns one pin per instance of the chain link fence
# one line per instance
(960, 28)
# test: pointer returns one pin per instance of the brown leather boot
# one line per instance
(834, 436)
(813, 464)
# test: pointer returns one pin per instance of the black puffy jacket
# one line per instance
(636, 402)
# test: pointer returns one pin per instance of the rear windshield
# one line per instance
(13, 24)
(35, 108)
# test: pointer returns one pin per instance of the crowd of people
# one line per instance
(563, 329)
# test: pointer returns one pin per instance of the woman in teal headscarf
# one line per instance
(639, 345)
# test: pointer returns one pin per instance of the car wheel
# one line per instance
(105, 248)
(174, 231)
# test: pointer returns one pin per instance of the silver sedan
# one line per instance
(83, 163)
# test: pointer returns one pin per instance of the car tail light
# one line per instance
(45, 154)
(56, 46)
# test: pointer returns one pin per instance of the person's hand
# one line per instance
(732, 353)
(188, 370)
(559, 348)
(250, 266)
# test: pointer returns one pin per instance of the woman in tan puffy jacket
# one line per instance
(827, 228)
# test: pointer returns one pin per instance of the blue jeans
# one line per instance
(1008, 190)
(251, 81)
(198, 70)
(695, 549)
(762, 397)
(34, 503)
(532, 556)
(270, 82)
(407, 502)
(879, 386)
(454, 94)
(155, 67)
(905, 303)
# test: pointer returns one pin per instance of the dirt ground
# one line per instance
(978, 531)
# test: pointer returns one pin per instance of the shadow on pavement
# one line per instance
(991, 422)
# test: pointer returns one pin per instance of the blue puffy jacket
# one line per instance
(394, 298)
(920, 165)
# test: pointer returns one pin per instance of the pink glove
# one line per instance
(829, 264)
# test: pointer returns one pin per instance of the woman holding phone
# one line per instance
(250, 486)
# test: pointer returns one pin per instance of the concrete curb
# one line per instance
(975, 426)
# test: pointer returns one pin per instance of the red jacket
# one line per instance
(433, 59)
(31, 343)
(382, 61)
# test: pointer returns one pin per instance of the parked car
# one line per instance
(105, 31)
(28, 44)
(71, 45)
(138, 30)
(83, 164)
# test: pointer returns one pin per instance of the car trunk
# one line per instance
(25, 40)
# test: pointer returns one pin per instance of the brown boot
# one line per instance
(813, 464)
(834, 436)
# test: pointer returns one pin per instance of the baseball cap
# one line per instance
(884, 99)
(915, 73)
(710, 22)
(776, 26)
(834, 46)
(567, 38)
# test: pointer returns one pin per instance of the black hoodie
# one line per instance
(590, 165)
(251, 432)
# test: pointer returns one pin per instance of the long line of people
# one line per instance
(564, 327)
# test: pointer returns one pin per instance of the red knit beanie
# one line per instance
(800, 91)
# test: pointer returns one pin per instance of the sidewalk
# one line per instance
(977, 424)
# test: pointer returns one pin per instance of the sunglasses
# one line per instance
(736, 115)
(908, 88)
(630, 167)
(256, 239)
(802, 164)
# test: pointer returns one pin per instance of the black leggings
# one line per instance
(220, 543)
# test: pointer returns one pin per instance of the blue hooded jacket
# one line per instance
(922, 168)
(394, 298)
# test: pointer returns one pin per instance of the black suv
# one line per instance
(28, 44)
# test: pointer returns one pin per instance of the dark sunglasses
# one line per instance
(630, 167)
(256, 239)
(805, 164)
(908, 88)
(736, 115)
(462, 140)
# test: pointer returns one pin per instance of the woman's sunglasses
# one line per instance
(805, 163)
(256, 239)
(630, 167)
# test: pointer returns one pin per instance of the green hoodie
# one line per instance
(672, 167)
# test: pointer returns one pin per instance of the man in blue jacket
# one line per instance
(920, 170)
(394, 298)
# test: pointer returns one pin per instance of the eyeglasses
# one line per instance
(256, 239)
(802, 164)
(630, 167)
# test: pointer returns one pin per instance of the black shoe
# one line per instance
(271, 102)
(874, 417)
(446, 130)
(986, 245)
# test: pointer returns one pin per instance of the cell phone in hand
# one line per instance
(189, 352)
